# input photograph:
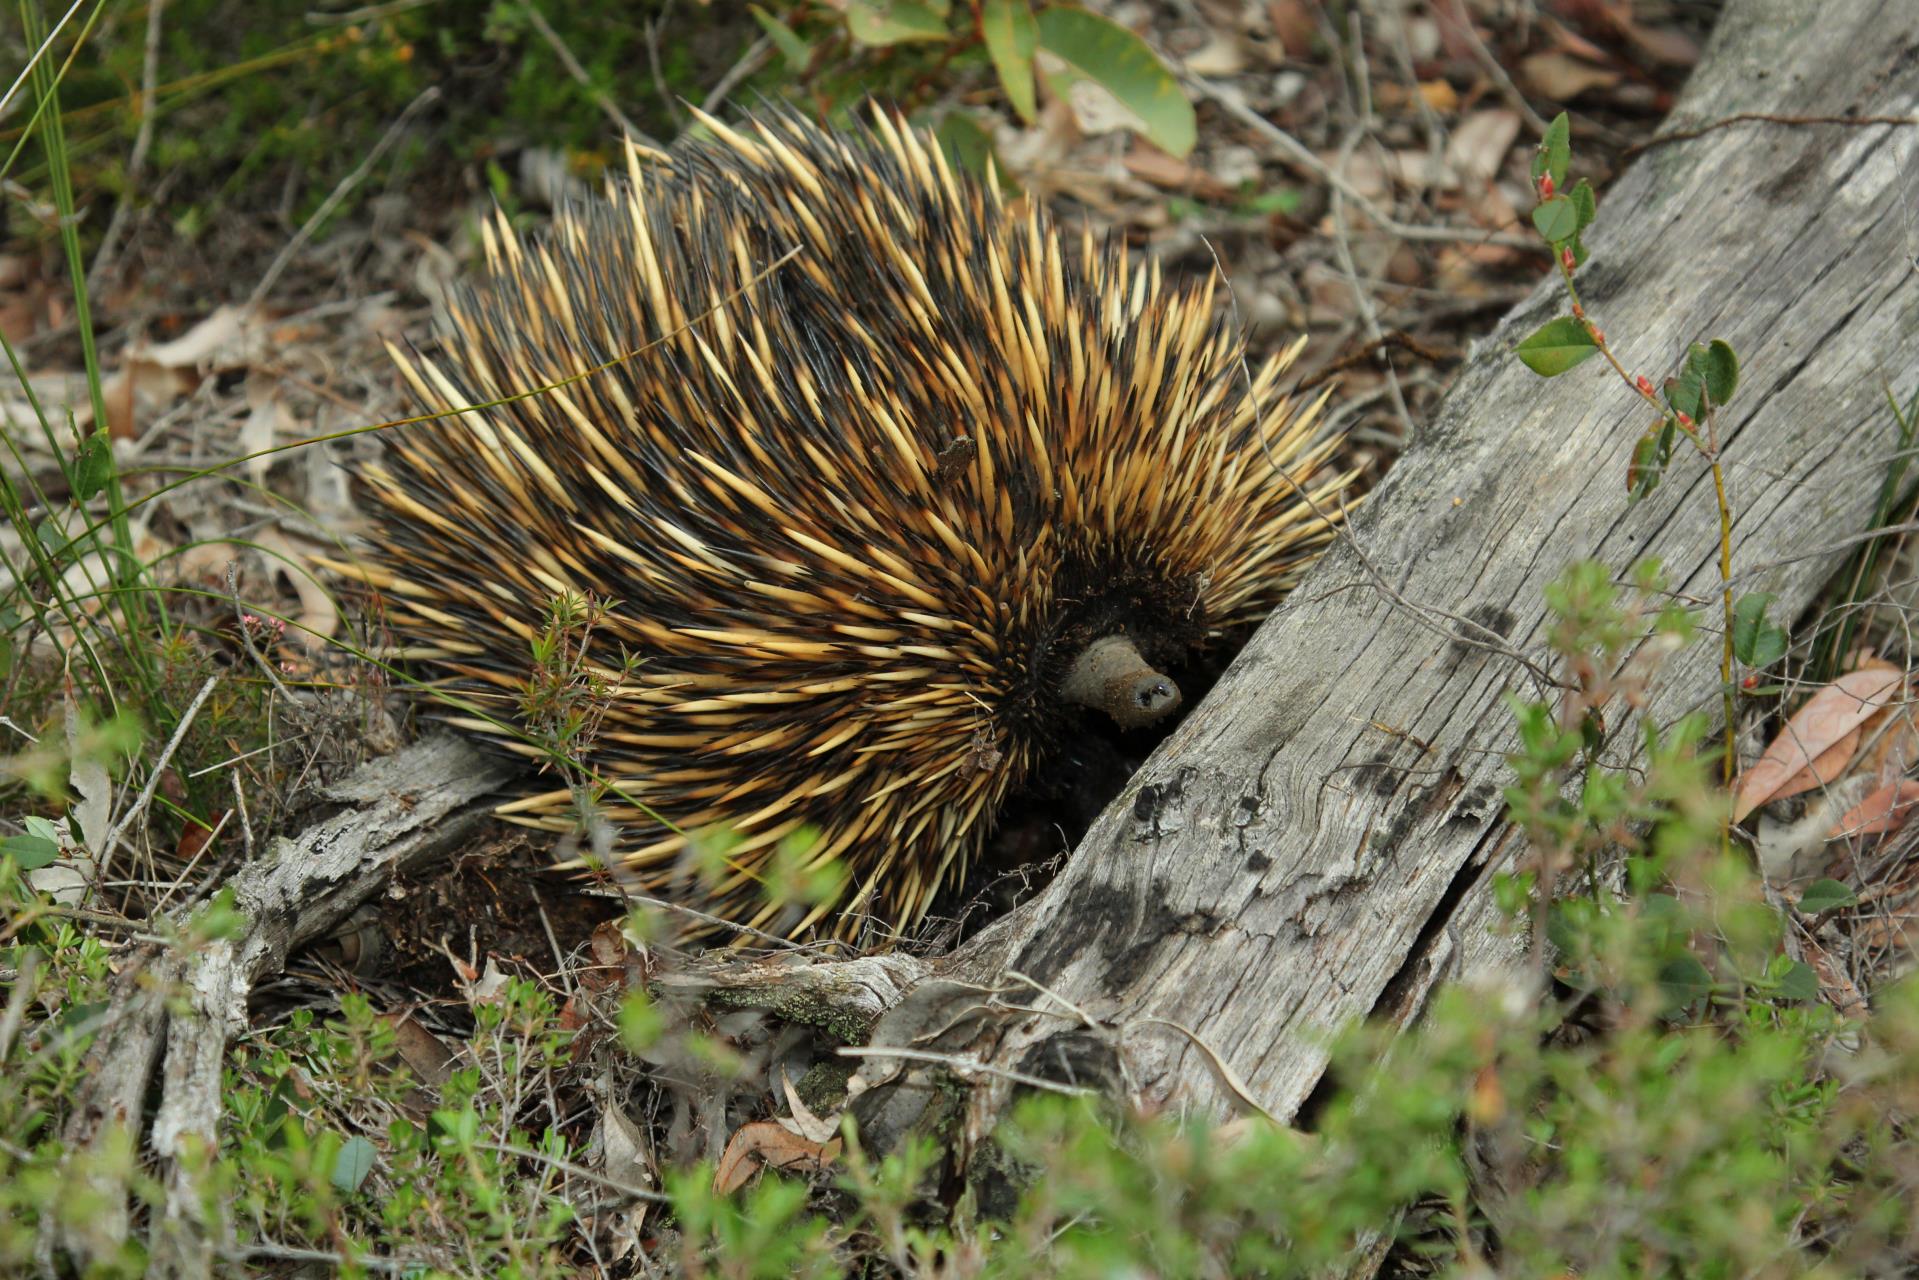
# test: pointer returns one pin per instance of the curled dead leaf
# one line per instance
(767, 1143)
(1820, 725)
(1885, 810)
(1562, 77)
(804, 1121)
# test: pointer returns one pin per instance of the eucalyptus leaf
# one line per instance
(1012, 37)
(1112, 79)
(877, 23)
(794, 50)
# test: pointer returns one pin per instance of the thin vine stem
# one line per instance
(1708, 449)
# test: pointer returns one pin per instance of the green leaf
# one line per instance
(1557, 346)
(460, 1128)
(1584, 201)
(1755, 641)
(1011, 38)
(1557, 219)
(876, 23)
(1770, 647)
(29, 853)
(1718, 368)
(1646, 469)
(1822, 896)
(1555, 153)
(1264, 204)
(1111, 77)
(1685, 979)
(1798, 982)
(796, 52)
(1682, 393)
(353, 1163)
(93, 468)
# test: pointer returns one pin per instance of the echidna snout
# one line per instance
(1111, 676)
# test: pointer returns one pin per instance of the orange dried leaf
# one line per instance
(1884, 810)
(767, 1142)
(1815, 729)
(1827, 768)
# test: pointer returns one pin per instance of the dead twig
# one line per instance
(1295, 153)
(139, 806)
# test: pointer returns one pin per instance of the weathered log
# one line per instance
(1315, 843)
(390, 815)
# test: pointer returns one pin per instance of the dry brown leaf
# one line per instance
(627, 1156)
(1293, 25)
(319, 613)
(227, 339)
(1661, 44)
(1223, 55)
(1827, 769)
(1148, 162)
(1480, 142)
(138, 392)
(194, 837)
(1886, 809)
(424, 1053)
(1562, 77)
(1417, 169)
(268, 423)
(1440, 95)
(768, 1143)
(1816, 728)
(814, 1128)
(486, 988)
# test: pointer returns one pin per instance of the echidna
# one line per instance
(878, 521)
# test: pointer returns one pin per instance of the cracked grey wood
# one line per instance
(1314, 844)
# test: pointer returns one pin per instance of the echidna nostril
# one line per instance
(839, 464)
